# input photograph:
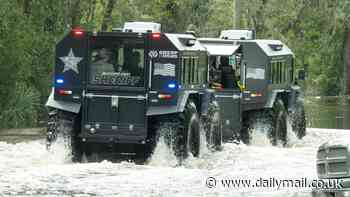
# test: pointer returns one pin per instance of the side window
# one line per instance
(190, 71)
(281, 72)
(187, 71)
(291, 70)
(202, 69)
(286, 71)
(193, 71)
(183, 71)
(275, 70)
(197, 73)
(272, 72)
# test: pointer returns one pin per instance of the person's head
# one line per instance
(224, 60)
(104, 54)
(136, 56)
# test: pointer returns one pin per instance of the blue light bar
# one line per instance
(59, 81)
(171, 85)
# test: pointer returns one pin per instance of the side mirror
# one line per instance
(301, 75)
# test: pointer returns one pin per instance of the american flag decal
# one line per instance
(164, 69)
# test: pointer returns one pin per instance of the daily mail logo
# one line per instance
(163, 54)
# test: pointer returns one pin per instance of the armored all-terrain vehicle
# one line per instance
(257, 84)
(127, 88)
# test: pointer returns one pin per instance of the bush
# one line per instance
(22, 109)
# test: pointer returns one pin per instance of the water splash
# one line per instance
(203, 160)
(59, 152)
(292, 139)
(25, 167)
(163, 155)
(259, 133)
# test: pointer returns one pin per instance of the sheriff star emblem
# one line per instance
(71, 62)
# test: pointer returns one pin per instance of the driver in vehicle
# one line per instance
(228, 73)
(135, 66)
(101, 63)
(215, 75)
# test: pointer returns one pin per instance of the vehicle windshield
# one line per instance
(117, 63)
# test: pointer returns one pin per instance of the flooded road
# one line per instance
(27, 169)
(328, 112)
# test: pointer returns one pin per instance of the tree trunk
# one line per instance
(75, 13)
(257, 18)
(237, 20)
(107, 18)
(92, 9)
(260, 19)
(27, 6)
(346, 55)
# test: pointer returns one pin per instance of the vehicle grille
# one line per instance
(332, 162)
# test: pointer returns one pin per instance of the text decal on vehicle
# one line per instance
(256, 73)
(163, 54)
(164, 69)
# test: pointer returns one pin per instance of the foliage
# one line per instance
(20, 110)
(314, 29)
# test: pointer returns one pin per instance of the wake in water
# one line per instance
(27, 168)
(164, 155)
(59, 152)
(259, 135)
(292, 139)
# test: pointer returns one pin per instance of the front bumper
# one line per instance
(120, 135)
(118, 139)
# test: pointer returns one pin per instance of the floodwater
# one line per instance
(27, 169)
(328, 112)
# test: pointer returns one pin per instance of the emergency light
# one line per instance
(172, 85)
(64, 92)
(276, 47)
(78, 32)
(155, 36)
(60, 81)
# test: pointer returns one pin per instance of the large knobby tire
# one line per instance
(182, 132)
(279, 123)
(188, 132)
(298, 119)
(66, 125)
(212, 126)
(275, 121)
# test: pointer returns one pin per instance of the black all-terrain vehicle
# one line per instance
(121, 91)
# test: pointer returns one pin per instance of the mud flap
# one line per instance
(62, 105)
